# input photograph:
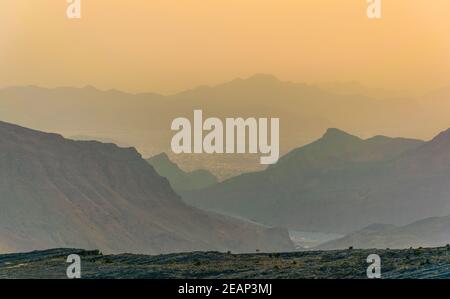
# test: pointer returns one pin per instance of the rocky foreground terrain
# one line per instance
(348, 264)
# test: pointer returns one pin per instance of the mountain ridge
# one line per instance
(56, 192)
(340, 185)
(429, 232)
(131, 118)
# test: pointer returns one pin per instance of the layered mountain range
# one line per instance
(305, 111)
(56, 192)
(429, 232)
(179, 179)
(341, 183)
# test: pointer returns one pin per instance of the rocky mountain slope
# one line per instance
(56, 192)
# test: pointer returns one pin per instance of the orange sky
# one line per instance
(170, 45)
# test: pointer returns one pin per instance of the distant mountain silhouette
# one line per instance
(143, 120)
(181, 180)
(354, 87)
(56, 192)
(341, 183)
(430, 232)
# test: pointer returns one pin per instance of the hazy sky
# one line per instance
(169, 45)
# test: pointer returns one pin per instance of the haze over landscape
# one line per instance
(168, 46)
(362, 76)
(85, 125)
(143, 120)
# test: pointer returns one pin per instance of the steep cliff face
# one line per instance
(56, 192)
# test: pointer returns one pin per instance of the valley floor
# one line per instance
(346, 264)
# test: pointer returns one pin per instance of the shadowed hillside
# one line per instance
(341, 183)
(56, 192)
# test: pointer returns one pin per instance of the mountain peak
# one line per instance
(334, 133)
(90, 88)
(263, 78)
(444, 136)
(162, 159)
(179, 179)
